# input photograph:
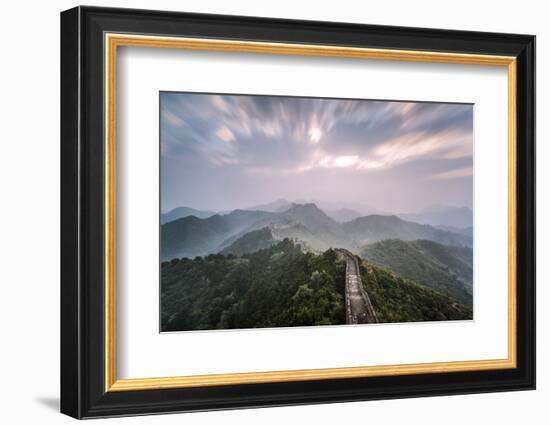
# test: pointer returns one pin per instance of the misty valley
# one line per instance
(287, 264)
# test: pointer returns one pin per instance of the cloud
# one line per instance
(282, 135)
(225, 134)
(453, 174)
(229, 151)
(444, 144)
(171, 119)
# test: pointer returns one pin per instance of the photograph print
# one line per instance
(279, 211)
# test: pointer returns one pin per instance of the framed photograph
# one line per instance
(261, 212)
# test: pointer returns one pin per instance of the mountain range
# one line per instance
(445, 269)
(375, 228)
(442, 215)
(191, 235)
(181, 212)
(455, 219)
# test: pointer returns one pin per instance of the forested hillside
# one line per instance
(374, 228)
(277, 286)
(401, 300)
(251, 242)
(446, 269)
(284, 285)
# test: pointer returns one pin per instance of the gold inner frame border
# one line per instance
(113, 40)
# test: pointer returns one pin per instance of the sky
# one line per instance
(222, 152)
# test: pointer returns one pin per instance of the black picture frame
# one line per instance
(83, 392)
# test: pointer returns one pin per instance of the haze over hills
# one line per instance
(330, 207)
(191, 236)
(275, 206)
(375, 228)
(251, 242)
(325, 232)
(343, 214)
(442, 215)
(466, 231)
(181, 212)
(446, 269)
(304, 222)
(455, 219)
(337, 211)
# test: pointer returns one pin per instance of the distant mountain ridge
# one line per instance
(467, 231)
(181, 212)
(192, 236)
(251, 242)
(458, 217)
(445, 269)
(276, 206)
(374, 228)
(342, 215)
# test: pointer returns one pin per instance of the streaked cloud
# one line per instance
(453, 174)
(225, 134)
(287, 136)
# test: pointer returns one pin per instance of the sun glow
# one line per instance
(315, 135)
